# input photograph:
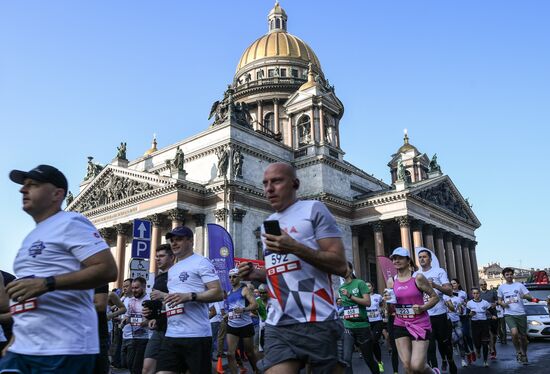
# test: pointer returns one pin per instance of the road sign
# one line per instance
(142, 229)
(139, 264)
(141, 248)
(139, 273)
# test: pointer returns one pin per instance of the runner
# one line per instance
(510, 297)
(135, 333)
(455, 307)
(192, 284)
(302, 323)
(263, 305)
(215, 311)
(502, 338)
(62, 258)
(153, 310)
(465, 322)
(478, 309)
(119, 357)
(412, 327)
(376, 324)
(491, 297)
(441, 326)
(240, 302)
(355, 296)
(390, 336)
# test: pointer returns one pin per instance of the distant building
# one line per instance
(492, 274)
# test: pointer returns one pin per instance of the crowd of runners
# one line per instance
(58, 315)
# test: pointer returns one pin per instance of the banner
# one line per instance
(220, 246)
(388, 270)
(258, 264)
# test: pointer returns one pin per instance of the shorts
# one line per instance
(59, 364)
(242, 332)
(182, 354)
(402, 332)
(518, 322)
(480, 332)
(153, 345)
(313, 342)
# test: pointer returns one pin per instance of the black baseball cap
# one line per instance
(180, 231)
(41, 173)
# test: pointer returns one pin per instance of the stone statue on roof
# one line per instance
(121, 151)
(434, 166)
(179, 159)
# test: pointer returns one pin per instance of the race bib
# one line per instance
(511, 299)
(277, 263)
(23, 307)
(373, 314)
(351, 312)
(234, 315)
(136, 320)
(175, 310)
(404, 311)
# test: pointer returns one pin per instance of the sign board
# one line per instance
(141, 245)
(139, 268)
(139, 273)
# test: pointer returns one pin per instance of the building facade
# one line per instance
(280, 107)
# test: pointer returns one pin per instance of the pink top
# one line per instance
(407, 295)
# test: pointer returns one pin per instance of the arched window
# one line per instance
(278, 23)
(304, 130)
(269, 122)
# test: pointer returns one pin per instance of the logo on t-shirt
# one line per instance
(184, 276)
(36, 248)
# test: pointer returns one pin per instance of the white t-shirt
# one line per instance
(190, 320)
(218, 306)
(500, 311)
(458, 303)
(512, 294)
(134, 313)
(480, 307)
(439, 277)
(302, 293)
(373, 311)
(64, 322)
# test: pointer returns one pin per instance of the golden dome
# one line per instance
(153, 148)
(278, 44)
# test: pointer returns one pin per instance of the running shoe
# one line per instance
(524, 360)
(485, 364)
(464, 363)
(381, 367)
(518, 357)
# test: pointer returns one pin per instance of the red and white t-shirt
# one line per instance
(299, 292)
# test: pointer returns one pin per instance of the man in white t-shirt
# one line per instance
(510, 297)
(441, 326)
(59, 264)
(192, 284)
(302, 323)
(135, 333)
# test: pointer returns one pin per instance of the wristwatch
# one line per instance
(49, 282)
(193, 296)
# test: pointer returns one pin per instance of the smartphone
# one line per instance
(272, 227)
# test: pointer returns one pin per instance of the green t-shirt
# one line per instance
(354, 315)
(262, 312)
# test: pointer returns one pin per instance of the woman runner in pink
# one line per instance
(412, 326)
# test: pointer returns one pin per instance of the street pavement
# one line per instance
(538, 353)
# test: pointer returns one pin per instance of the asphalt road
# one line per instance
(538, 353)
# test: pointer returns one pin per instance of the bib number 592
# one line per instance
(278, 258)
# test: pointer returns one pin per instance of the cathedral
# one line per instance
(280, 106)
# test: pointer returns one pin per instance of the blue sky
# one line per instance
(470, 80)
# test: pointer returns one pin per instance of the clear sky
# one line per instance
(470, 80)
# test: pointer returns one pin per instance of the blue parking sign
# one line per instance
(141, 248)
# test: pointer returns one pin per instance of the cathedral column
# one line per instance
(260, 115)
(238, 216)
(177, 216)
(200, 234)
(460, 263)
(321, 125)
(312, 124)
(355, 251)
(467, 264)
(440, 249)
(449, 252)
(121, 232)
(473, 259)
(417, 234)
(404, 227)
(276, 128)
(156, 222)
(378, 227)
(429, 237)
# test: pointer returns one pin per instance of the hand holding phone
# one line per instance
(272, 227)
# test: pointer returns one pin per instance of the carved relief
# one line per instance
(442, 196)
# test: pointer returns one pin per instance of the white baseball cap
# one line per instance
(400, 251)
(234, 271)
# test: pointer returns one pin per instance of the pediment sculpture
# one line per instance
(442, 196)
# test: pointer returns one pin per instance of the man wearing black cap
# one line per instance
(192, 284)
(59, 263)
